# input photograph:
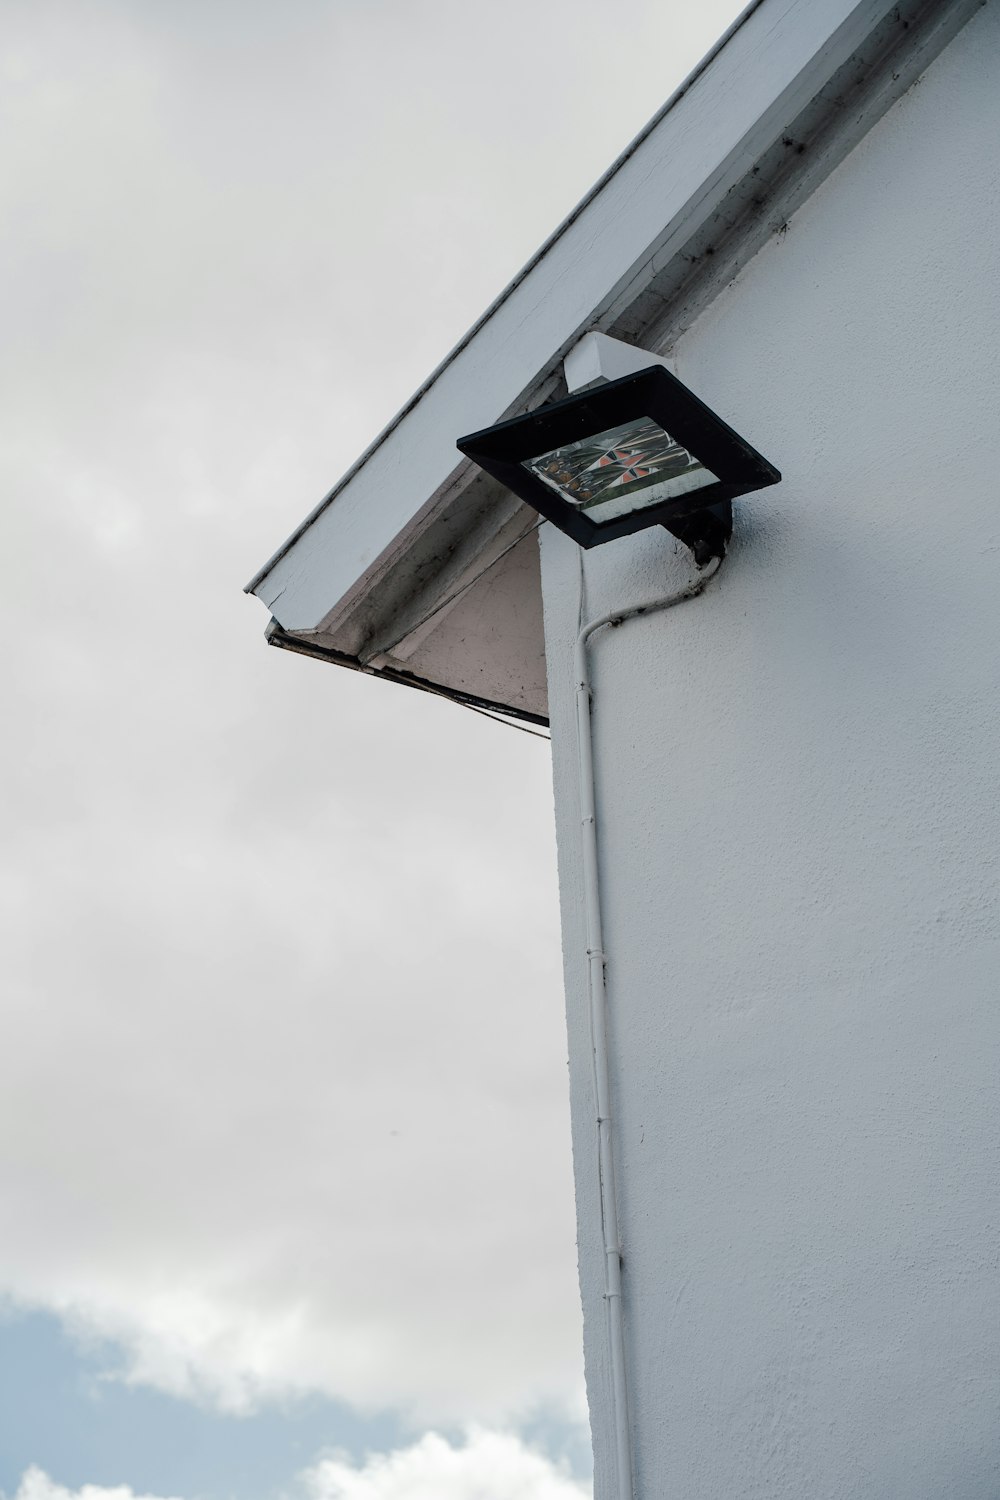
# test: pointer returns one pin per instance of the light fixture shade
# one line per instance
(640, 451)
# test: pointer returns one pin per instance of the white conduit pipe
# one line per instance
(596, 961)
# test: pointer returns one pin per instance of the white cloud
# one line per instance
(36, 1485)
(488, 1466)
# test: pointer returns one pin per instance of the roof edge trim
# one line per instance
(285, 640)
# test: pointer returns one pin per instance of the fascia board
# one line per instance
(778, 56)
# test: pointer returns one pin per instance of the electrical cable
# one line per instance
(497, 718)
(597, 982)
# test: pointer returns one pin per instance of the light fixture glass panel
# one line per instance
(624, 469)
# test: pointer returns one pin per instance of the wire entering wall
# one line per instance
(539, 734)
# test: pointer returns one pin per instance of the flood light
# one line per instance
(636, 452)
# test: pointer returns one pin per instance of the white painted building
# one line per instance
(795, 770)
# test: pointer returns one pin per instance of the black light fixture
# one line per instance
(630, 453)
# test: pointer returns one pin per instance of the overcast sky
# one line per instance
(282, 1083)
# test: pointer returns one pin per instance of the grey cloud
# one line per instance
(283, 1082)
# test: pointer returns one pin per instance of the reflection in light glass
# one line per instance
(624, 469)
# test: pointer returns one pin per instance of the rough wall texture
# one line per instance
(799, 836)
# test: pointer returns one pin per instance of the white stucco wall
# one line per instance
(799, 832)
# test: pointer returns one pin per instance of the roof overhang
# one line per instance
(420, 568)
